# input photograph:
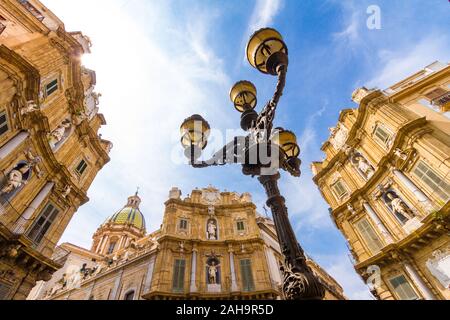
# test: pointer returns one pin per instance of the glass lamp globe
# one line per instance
(266, 50)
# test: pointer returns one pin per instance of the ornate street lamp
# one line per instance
(262, 153)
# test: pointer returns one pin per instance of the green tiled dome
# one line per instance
(129, 215)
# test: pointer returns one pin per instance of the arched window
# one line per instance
(129, 295)
(111, 247)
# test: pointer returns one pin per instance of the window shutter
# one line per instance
(4, 290)
(370, 236)
(43, 223)
(246, 274)
(178, 275)
(403, 288)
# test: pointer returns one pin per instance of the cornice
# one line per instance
(419, 85)
(372, 100)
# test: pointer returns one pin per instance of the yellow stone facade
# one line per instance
(386, 177)
(211, 245)
(50, 150)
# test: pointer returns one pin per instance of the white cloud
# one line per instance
(341, 269)
(264, 13)
(399, 63)
(151, 78)
(349, 36)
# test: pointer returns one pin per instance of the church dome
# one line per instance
(130, 214)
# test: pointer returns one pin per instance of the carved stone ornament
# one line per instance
(439, 266)
(30, 107)
(339, 136)
(360, 94)
(211, 195)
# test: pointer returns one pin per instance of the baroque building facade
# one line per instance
(211, 245)
(386, 177)
(50, 150)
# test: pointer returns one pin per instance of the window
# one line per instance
(111, 247)
(240, 226)
(129, 295)
(178, 275)
(183, 224)
(403, 288)
(3, 122)
(382, 134)
(4, 290)
(35, 12)
(51, 87)
(246, 275)
(369, 235)
(432, 180)
(339, 189)
(43, 223)
(81, 167)
(2, 27)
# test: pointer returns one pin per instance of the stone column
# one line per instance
(421, 285)
(28, 213)
(102, 250)
(234, 286)
(193, 287)
(386, 235)
(99, 245)
(420, 196)
(12, 144)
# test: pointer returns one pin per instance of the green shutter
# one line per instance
(178, 275)
(403, 288)
(246, 275)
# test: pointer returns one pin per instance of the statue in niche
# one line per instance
(212, 273)
(66, 191)
(16, 178)
(363, 165)
(29, 108)
(212, 230)
(58, 134)
(398, 206)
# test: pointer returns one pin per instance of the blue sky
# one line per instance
(158, 62)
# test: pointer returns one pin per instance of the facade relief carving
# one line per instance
(339, 135)
(361, 164)
(439, 266)
(60, 133)
(360, 94)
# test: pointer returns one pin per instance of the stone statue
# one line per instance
(364, 166)
(399, 206)
(212, 230)
(66, 191)
(29, 108)
(212, 273)
(96, 96)
(15, 179)
(400, 154)
(58, 134)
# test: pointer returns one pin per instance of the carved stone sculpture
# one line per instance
(212, 273)
(58, 134)
(212, 228)
(399, 206)
(29, 108)
(66, 191)
(15, 179)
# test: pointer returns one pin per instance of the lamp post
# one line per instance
(262, 153)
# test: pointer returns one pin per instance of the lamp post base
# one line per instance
(299, 282)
